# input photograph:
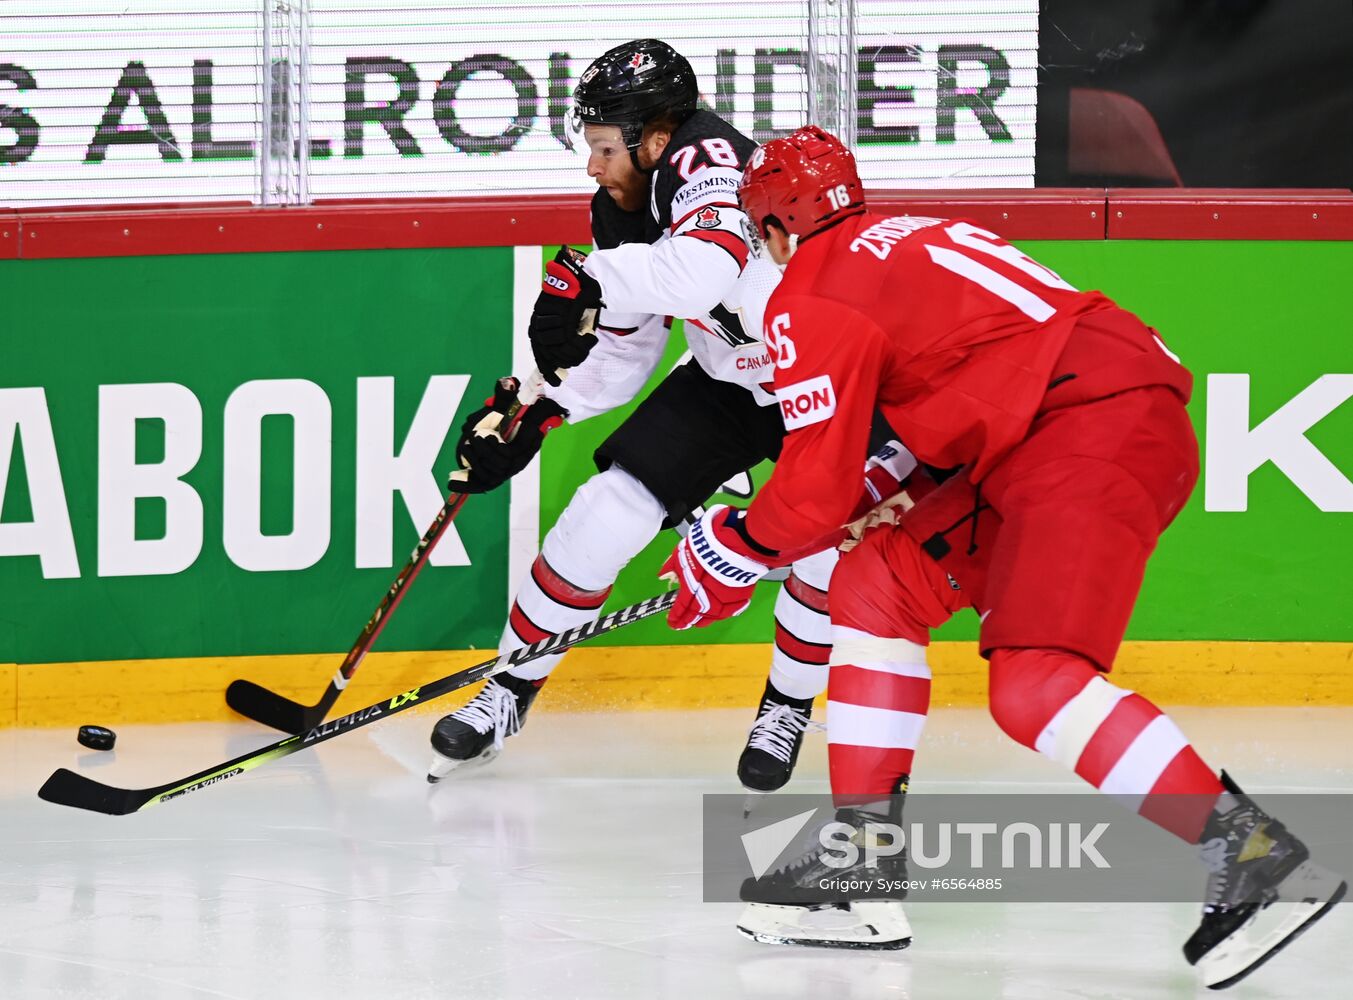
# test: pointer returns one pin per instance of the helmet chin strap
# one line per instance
(634, 158)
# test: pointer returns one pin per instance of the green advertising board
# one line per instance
(1274, 314)
(305, 332)
(286, 355)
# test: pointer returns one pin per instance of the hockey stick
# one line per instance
(256, 702)
(68, 788)
(278, 711)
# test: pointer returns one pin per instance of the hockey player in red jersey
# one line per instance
(669, 241)
(1069, 415)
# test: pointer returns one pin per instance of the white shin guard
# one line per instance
(607, 523)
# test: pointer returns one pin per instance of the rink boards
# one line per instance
(245, 444)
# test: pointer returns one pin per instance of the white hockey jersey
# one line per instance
(688, 259)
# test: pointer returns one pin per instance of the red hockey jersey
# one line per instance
(958, 337)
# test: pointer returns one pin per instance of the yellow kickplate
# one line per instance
(9, 694)
(640, 677)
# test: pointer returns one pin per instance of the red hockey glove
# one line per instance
(715, 567)
(888, 478)
(886, 473)
(560, 329)
(494, 447)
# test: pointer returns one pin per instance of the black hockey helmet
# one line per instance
(634, 83)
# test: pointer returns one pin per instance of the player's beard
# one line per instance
(628, 192)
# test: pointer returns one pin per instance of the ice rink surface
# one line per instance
(568, 868)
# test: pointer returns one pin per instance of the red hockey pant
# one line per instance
(1054, 560)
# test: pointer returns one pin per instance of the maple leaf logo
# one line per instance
(706, 218)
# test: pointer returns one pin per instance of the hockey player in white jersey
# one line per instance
(670, 241)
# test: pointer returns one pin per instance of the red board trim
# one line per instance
(1022, 214)
(1318, 214)
(9, 236)
(362, 226)
(1015, 213)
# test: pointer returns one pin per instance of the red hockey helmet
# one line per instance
(803, 182)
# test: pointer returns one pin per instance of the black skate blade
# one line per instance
(1337, 895)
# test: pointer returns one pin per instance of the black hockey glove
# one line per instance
(560, 330)
(486, 460)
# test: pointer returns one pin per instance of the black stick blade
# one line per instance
(66, 788)
(270, 708)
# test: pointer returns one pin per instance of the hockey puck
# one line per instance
(96, 737)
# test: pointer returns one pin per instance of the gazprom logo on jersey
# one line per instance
(809, 402)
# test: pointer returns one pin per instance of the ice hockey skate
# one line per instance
(773, 743)
(1262, 891)
(786, 906)
(473, 735)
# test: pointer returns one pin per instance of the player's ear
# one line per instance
(779, 243)
(655, 140)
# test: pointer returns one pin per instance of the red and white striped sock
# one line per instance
(1058, 704)
(803, 630)
(878, 696)
(545, 605)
